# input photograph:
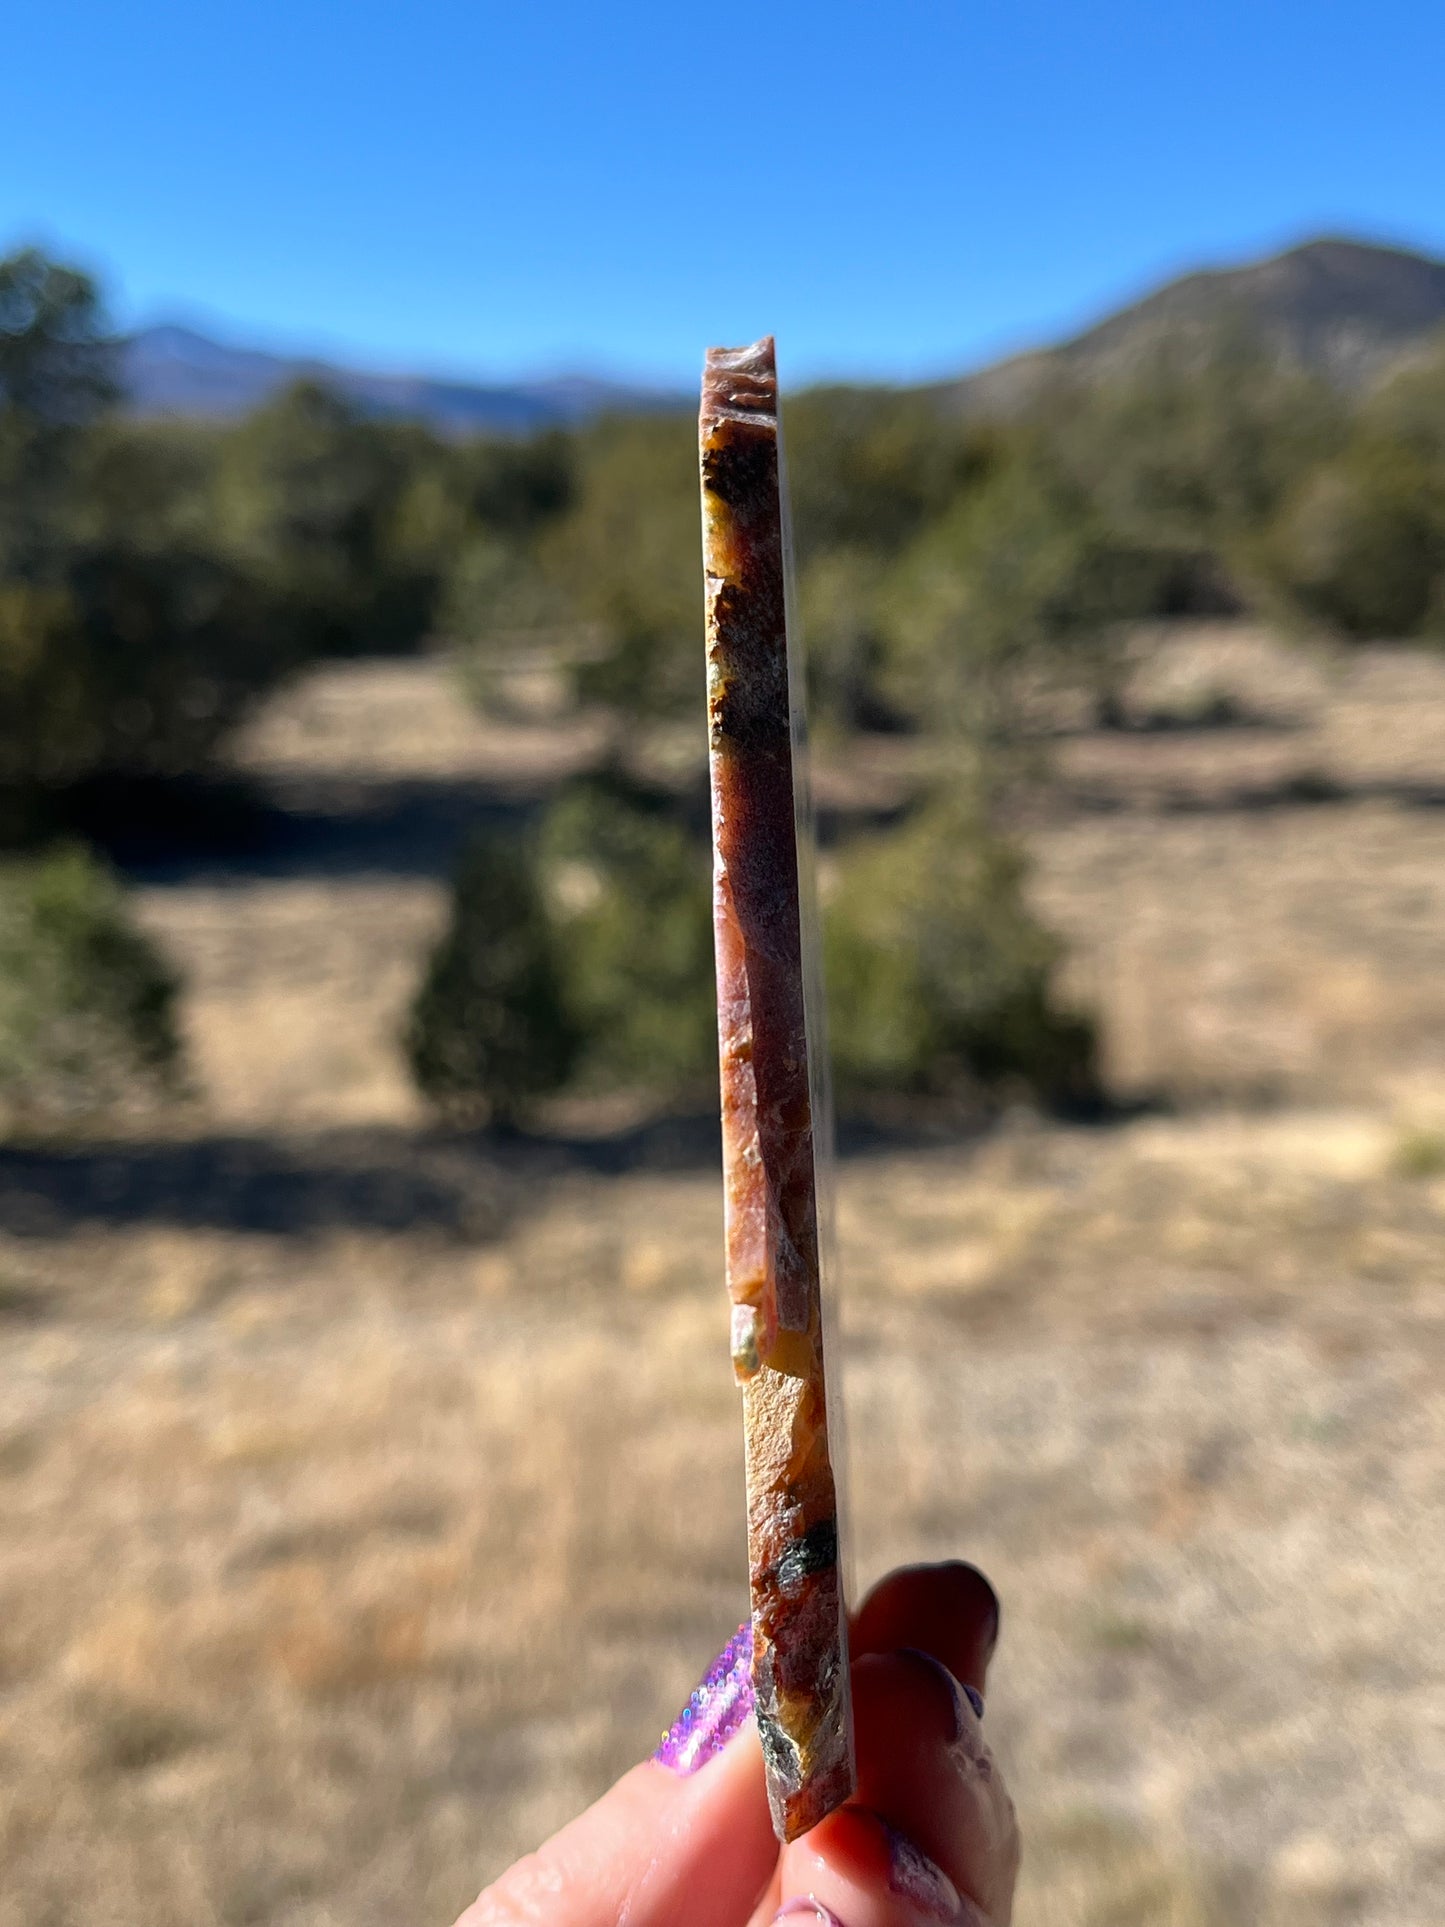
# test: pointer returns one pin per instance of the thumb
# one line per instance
(684, 1836)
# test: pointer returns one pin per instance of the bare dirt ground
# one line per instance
(370, 1497)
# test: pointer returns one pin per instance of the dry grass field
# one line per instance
(371, 1496)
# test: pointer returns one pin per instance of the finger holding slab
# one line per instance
(800, 1652)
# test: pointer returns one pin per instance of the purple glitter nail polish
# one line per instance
(718, 1706)
(919, 1880)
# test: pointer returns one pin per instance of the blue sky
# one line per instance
(528, 188)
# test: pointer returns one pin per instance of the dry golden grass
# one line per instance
(370, 1499)
(341, 1572)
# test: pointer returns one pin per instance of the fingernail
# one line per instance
(951, 1686)
(919, 1880)
(814, 1909)
(995, 1608)
(720, 1703)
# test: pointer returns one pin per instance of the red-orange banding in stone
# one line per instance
(800, 1651)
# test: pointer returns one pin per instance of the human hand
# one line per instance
(684, 1840)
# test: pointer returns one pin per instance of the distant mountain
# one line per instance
(172, 370)
(1347, 310)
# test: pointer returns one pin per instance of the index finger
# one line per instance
(949, 1610)
(931, 1835)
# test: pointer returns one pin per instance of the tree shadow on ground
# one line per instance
(1300, 789)
(285, 1187)
(463, 1185)
(182, 830)
(467, 1186)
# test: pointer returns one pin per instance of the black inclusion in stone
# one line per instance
(779, 1752)
(742, 469)
(816, 1551)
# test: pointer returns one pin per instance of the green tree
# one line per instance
(488, 1033)
(940, 979)
(499, 599)
(587, 956)
(128, 640)
(326, 507)
(844, 633)
(1409, 408)
(86, 1003)
(57, 378)
(128, 643)
(627, 889)
(499, 593)
(625, 557)
(1192, 449)
(1360, 547)
(510, 489)
(57, 359)
(868, 468)
(1021, 577)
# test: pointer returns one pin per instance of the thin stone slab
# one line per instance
(800, 1640)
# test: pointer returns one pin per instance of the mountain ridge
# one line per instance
(173, 369)
(1346, 309)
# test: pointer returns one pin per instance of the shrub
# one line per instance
(502, 613)
(488, 1032)
(869, 468)
(128, 638)
(939, 977)
(1196, 442)
(56, 363)
(328, 509)
(1361, 546)
(624, 560)
(86, 1003)
(627, 890)
(1419, 1152)
(125, 661)
(1020, 575)
(587, 954)
(838, 597)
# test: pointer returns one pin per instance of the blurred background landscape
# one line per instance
(370, 1466)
